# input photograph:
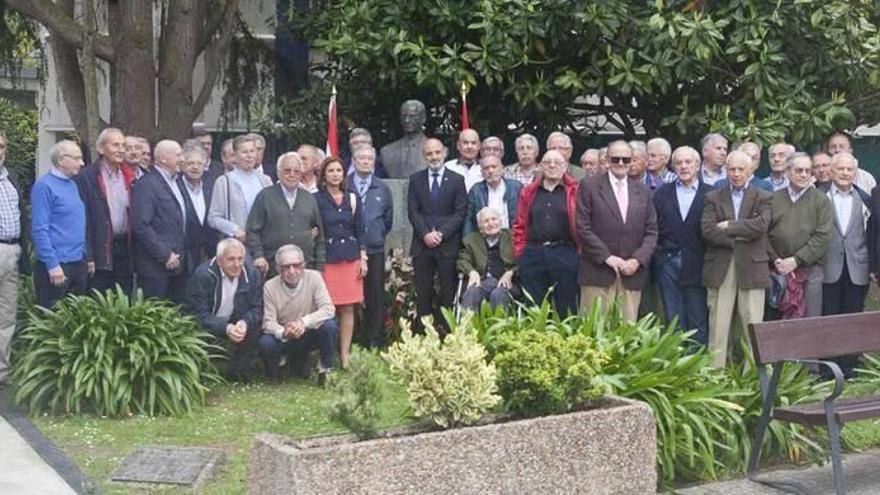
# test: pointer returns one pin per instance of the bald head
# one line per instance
(166, 154)
(433, 153)
(468, 145)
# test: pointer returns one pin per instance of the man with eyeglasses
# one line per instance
(559, 141)
(58, 228)
(105, 187)
(544, 235)
(297, 317)
(201, 239)
(13, 256)
(617, 227)
(225, 294)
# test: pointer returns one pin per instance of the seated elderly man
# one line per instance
(487, 259)
(297, 316)
(226, 295)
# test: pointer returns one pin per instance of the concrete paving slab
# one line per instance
(862, 473)
(24, 471)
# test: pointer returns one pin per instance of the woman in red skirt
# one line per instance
(346, 256)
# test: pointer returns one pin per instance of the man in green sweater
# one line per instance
(285, 214)
(800, 229)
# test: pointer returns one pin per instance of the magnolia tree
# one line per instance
(759, 70)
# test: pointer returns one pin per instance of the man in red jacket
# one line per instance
(544, 235)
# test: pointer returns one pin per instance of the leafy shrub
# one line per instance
(358, 392)
(20, 126)
(545, 373)
(449, 382)
(106, 355)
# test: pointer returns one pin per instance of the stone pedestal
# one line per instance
(605, 450)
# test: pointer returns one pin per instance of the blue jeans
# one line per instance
(687, 303)
(542, 267)
(323, 339)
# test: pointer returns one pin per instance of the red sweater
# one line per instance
(520, 229)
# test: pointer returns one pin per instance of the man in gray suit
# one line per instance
(403, 157)
(846, 265)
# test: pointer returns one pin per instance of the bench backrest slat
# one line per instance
(815, 338)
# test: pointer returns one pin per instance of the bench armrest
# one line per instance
(835, 370)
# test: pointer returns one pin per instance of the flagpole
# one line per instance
(465, 123)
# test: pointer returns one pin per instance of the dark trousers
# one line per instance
(542, 267)
(426, 265)
(242, 353)
(843, 297)
(487, 290)
(76, 282)
(687, 303)
(163, 286)
(374, 300)
(323, 338)
(121, 274)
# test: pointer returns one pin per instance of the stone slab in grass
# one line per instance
(185, 466)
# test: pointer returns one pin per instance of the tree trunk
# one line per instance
(90, 78)
(133, 77)
(177, 59)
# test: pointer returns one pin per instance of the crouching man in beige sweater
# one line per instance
(297, 316)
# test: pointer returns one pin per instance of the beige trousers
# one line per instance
(749, 304)
(9, 254)
(628, 299)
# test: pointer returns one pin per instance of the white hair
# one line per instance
(639, 147)
(558, 134)
(288, 248)
(487, 210)
(228, 243)
(527, 137)
(661, 143)
(105, 134)
(710, 138)
(58, 149)
(685, 150)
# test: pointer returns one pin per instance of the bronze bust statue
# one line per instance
(403, 157)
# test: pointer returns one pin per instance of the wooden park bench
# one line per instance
(811, 341)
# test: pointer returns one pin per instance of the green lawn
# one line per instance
(233, 415)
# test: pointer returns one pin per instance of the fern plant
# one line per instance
(113, 357)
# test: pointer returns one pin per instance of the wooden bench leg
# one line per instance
(836, 460)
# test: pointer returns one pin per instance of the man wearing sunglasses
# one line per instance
(617, 227)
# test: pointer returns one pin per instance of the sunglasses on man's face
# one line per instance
(620, 159)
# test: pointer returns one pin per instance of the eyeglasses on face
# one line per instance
(620, 159)
(294, 266)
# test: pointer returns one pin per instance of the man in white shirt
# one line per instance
(467, 164)
(201, 239)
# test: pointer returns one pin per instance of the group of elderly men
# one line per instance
(700, 228)
(159, 227)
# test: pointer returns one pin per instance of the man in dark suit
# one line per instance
(158, 222)
(678, 259)
(212, 168)
(735, 268)
(105, 187)
(617, 226)
(201, 239)
(436, 202)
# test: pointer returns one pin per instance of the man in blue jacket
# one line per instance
(158, 223)
(58, 228)
(378, 213)
(226, 295)
(495, 191)
(678, 258)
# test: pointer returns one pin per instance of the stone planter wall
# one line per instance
(606, 450)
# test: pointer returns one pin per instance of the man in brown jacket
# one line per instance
(617, 227)
(735, 270)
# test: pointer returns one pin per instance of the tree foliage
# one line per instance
(747, 68)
